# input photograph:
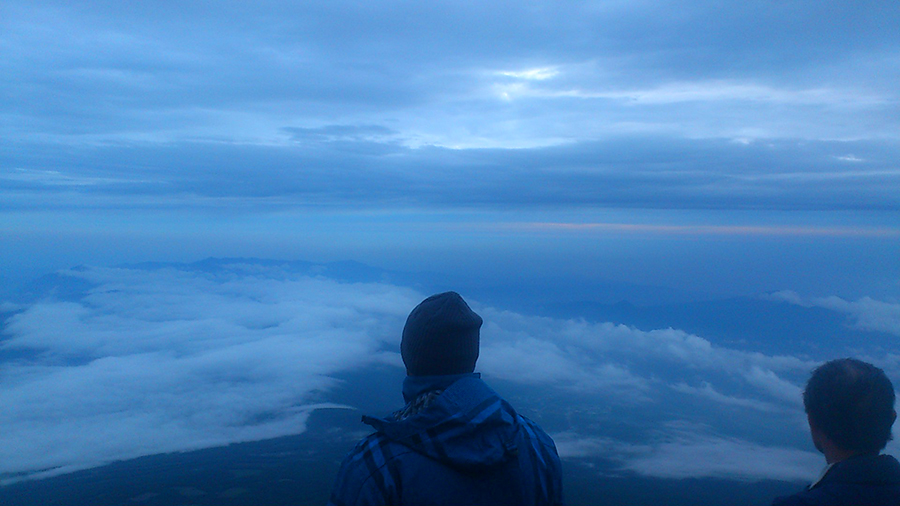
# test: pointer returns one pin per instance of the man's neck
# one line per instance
(833, 454)
(413, 386)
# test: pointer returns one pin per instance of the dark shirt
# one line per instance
(864, 480)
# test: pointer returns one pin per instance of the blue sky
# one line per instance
(398, 133)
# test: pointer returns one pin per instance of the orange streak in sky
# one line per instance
(755, 230)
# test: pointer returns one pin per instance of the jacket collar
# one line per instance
(466, 426)
(414, 386)
(862, 469)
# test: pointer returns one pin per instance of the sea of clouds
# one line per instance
(154, 360)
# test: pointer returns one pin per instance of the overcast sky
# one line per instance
(249, 128)
(724, 148)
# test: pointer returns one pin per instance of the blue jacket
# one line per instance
(466, 446)
(866, 480)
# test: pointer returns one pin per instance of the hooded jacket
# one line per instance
(866, 480)
(467, 446)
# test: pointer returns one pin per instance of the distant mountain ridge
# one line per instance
(62, 286)
(523, 293)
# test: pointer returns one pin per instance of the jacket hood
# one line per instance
(467, 426)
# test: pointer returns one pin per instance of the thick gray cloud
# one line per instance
(348, 166)
(673, 105)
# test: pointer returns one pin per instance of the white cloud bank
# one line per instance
(160, 361)
(688, 452)
(581, 355)
(867, 313)
(163, 360)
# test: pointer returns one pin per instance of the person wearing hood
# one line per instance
(455, 442)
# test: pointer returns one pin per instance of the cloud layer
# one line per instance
(687, 452)
(160, 361)
(163, 359)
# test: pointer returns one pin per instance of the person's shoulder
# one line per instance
(541, 444)
(375, 448)
(354, 473)
(823, 495)
(543, 450)
(364, 446)
(534, 432)
(842, 494)
(791, 500)
(366, 470)
(799, 499)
